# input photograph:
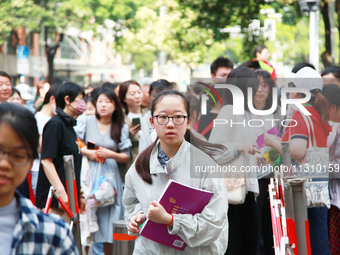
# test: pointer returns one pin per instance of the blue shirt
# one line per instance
(39, 233)
(162, 157)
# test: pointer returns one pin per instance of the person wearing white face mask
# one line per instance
(59, 139)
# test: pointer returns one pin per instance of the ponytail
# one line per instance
(142, 163)
(321, 105)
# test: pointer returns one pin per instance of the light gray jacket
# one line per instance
(231, 130)
(204, 233)
(334, 175)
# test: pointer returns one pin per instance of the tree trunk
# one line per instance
(51, 50)
(326, 56)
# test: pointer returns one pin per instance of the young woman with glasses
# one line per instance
(24, 228)
(170, 156)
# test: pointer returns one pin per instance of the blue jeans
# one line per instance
(318, 230)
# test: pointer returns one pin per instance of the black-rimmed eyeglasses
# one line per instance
(164, 119)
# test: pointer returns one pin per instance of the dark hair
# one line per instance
(51, 92)
(23, 123)
(160, 85)
(269, 80)
(142, 163)
(321, 105)
(194, 103)
(329, 95)
(123, 88)
(332, 93)
(252, 64)
(94, 94)
(243, 78)
(301, 65)
(14, 90)
(110, 85)
(4, 74)
(67, 89)
(90, 99)
(220, 62)
(259, 48)
(335, 70)
(117, 120)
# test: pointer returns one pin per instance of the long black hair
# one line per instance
(123, 89)
(117, 116)
(142, 163)
(270, 82)
(23, 123)
(243, 78)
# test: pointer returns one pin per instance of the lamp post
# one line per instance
(311, 7)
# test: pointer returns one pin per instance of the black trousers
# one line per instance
(243, 230)
(266, 242)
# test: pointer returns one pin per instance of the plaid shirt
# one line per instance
(39, 233)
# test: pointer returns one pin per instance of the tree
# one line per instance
(16, 14)
(218, 14)
(44, 16)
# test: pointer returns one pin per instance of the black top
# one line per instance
(205, 120)
(59, 139)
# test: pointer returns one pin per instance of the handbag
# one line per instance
(237, 190)
(236, 185)
(314, 167)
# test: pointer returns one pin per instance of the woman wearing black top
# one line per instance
(59, 139)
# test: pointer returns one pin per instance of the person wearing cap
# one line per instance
(15, 98)
(5, 87)
(25, 92)
(332, 93)
(298, 135)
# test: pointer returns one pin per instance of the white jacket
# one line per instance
(204, 233)
(230, 137)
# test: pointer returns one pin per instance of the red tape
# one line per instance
(76, 195)
(309, 251)
(123, 237)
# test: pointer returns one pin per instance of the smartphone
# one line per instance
(91, 145)
(135, 121)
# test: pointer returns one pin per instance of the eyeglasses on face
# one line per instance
(164, 119)
(17, 158)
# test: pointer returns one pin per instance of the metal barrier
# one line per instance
(123, 244)
(289, 211)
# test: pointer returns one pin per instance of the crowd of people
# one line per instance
(129, 139)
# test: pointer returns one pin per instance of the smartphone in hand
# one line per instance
(91, 145)
(135, 121)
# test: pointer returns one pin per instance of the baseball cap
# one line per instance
(308, 78)
(25, 91)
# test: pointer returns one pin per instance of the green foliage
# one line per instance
(189, 33)
(217, 14)
(18, 13)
